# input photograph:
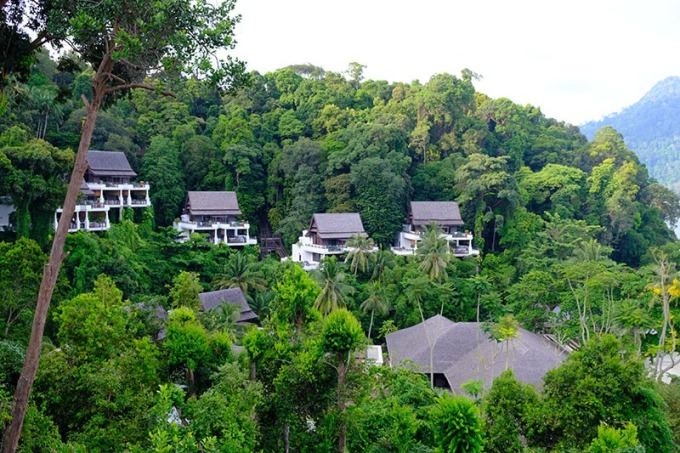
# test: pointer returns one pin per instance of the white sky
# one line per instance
(576, 60)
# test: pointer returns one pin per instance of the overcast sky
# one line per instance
(576, 60)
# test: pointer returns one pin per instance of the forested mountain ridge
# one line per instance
(651, 129)
(573, 237)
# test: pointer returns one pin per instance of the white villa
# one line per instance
(443, 213)
(107, 186)
(327, 235)
(215, 214)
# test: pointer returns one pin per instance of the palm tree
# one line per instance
(434, 254)
(416, 290)
(360, 254)
(376, 301)
(334, 290)
(384, 259)
(506, 330)
(240, 271)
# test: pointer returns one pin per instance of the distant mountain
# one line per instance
(651, 128)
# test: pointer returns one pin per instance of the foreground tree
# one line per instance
(124, 41)
(341, 336)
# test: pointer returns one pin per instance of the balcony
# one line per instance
(322, 249)
(403, 251)
(107, 185)
(460, 252)
(140, 203)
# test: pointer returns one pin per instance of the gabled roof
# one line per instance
(233, 296)
(109, 163)
(213, 203)
(463, 352)
(440, 212)
(337, 225)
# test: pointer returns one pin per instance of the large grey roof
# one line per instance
(109, 163)
(213, 203)
(233, 296)
(338, 225)
(441, 212)
(463, 352)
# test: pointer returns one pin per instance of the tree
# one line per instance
(601, 382)
(162, 168)
(33, 176)
(227, 411)
(506, 330)
(294, 297)
(186, 342)
(124, 40)
(456, 424)
(240, 271)
(341, 336)
(434, 254)
(612, 439)
(185, 290)
(360, 254)
(376, 301)
(416, 291)
(20, 266)
(507, 413)
(334, 290)
(665, 287)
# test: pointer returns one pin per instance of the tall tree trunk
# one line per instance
(286, 438)
(370, 325)
(252, 370)
(342, 428)
(51, 271)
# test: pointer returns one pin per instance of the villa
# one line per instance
(446, 215)
(107, 185)
(327, 235)
(217, 215)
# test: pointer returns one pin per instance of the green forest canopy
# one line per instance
(574, 235)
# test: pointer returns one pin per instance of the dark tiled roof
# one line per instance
(441, 212)
(109, 163)
(213, 203)
(463, 352)
(338, 225)
(232, 296)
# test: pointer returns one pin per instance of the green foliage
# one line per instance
(227, 411)
(185, 291)
(186, 339)
(334, 291)
(610, 439)
(342, 333)
(294, 297)
(21, 267)
(162, 168)
(507, 412)
(456, 424)
(600, 384)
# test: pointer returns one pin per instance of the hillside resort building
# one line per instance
(446, 215)
(216, 215)
(107, 185)
(327, 235)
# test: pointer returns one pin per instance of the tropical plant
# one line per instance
(334, 290)
(434, 254)
(376, 301)
(240, 271)
(360, 254)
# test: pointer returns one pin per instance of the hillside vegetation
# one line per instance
(651, 129)
(574, 242)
